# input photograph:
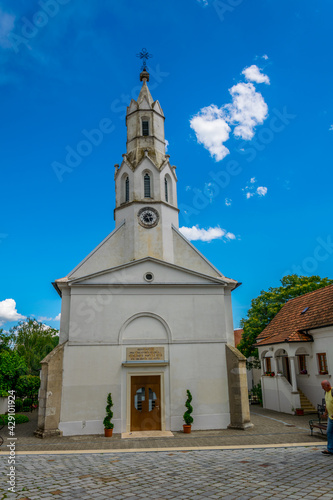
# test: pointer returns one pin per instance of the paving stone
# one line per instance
(196, 475)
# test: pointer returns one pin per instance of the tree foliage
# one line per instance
(33, 341)
(12, 366)
(268, 304)
(28, 385)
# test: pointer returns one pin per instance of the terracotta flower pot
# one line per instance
(108, 433)
(187, 429)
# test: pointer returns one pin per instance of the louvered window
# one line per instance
(127, 189)
(166, 189)
(147, 193)
(145, 127)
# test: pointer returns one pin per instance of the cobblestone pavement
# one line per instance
(269, 428)
(278, 473)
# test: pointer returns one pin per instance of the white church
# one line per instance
(145, 315)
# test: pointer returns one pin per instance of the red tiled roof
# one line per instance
(297, 316)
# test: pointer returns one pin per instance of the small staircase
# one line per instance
(306, 405)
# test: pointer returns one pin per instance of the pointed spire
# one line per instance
(145, 93)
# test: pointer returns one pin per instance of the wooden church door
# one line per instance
(145, 403)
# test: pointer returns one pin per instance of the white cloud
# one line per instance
(166, 145)
(7, 22)
(331, 127)
(212, 130)
(212, 125)
(230, 236)
(261, 190)
(8, 311)
(253, 74)
(252, 190)
(265, 56)
(194, 233)
(248, 109)
(228, 202)
(46, 318)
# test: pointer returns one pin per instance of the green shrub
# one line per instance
(187, 415)
(257, 391)
(109, 414)
(3, 394)
(19, 419)
(18, 404)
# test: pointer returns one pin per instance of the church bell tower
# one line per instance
(146, 192)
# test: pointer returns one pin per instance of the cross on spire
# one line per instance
(144, 56)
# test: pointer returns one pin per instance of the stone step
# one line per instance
(306, 405)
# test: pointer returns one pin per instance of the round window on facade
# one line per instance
(149, 277)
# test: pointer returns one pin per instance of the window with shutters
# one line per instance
(322, 363)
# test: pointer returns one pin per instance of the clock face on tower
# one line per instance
(148, 217)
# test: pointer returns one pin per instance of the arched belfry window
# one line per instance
(166, 189)
(127, 189)
(147, 189)
(145, 127)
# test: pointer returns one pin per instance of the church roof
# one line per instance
(299, 315)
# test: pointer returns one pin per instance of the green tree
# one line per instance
(28, 385)
(268, 304)
(33, 341)
(12, 366)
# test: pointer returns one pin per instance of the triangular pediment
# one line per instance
(157, 107)
(144, 104)
(135, 273)
(186, 255)
(147, 162)
(132, 107)
(106, 255)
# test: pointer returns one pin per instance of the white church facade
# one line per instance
(145, 315)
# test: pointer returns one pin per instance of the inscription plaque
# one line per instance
(144, 353)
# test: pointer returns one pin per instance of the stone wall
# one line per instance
(50, 393)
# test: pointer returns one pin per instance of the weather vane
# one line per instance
(144, 56)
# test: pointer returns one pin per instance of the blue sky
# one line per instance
(246, 87)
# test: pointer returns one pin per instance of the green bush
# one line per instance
(18, 404)
(109, 414)
(3, 394)
(257, 391)
(187, 415)
(19, 419)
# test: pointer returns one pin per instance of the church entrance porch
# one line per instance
(145, 403)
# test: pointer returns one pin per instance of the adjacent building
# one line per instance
(296, 351)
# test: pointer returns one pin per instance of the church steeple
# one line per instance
(146, 183)
(145, 126)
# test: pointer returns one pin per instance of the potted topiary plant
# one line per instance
(108, 425)
(187, 415)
